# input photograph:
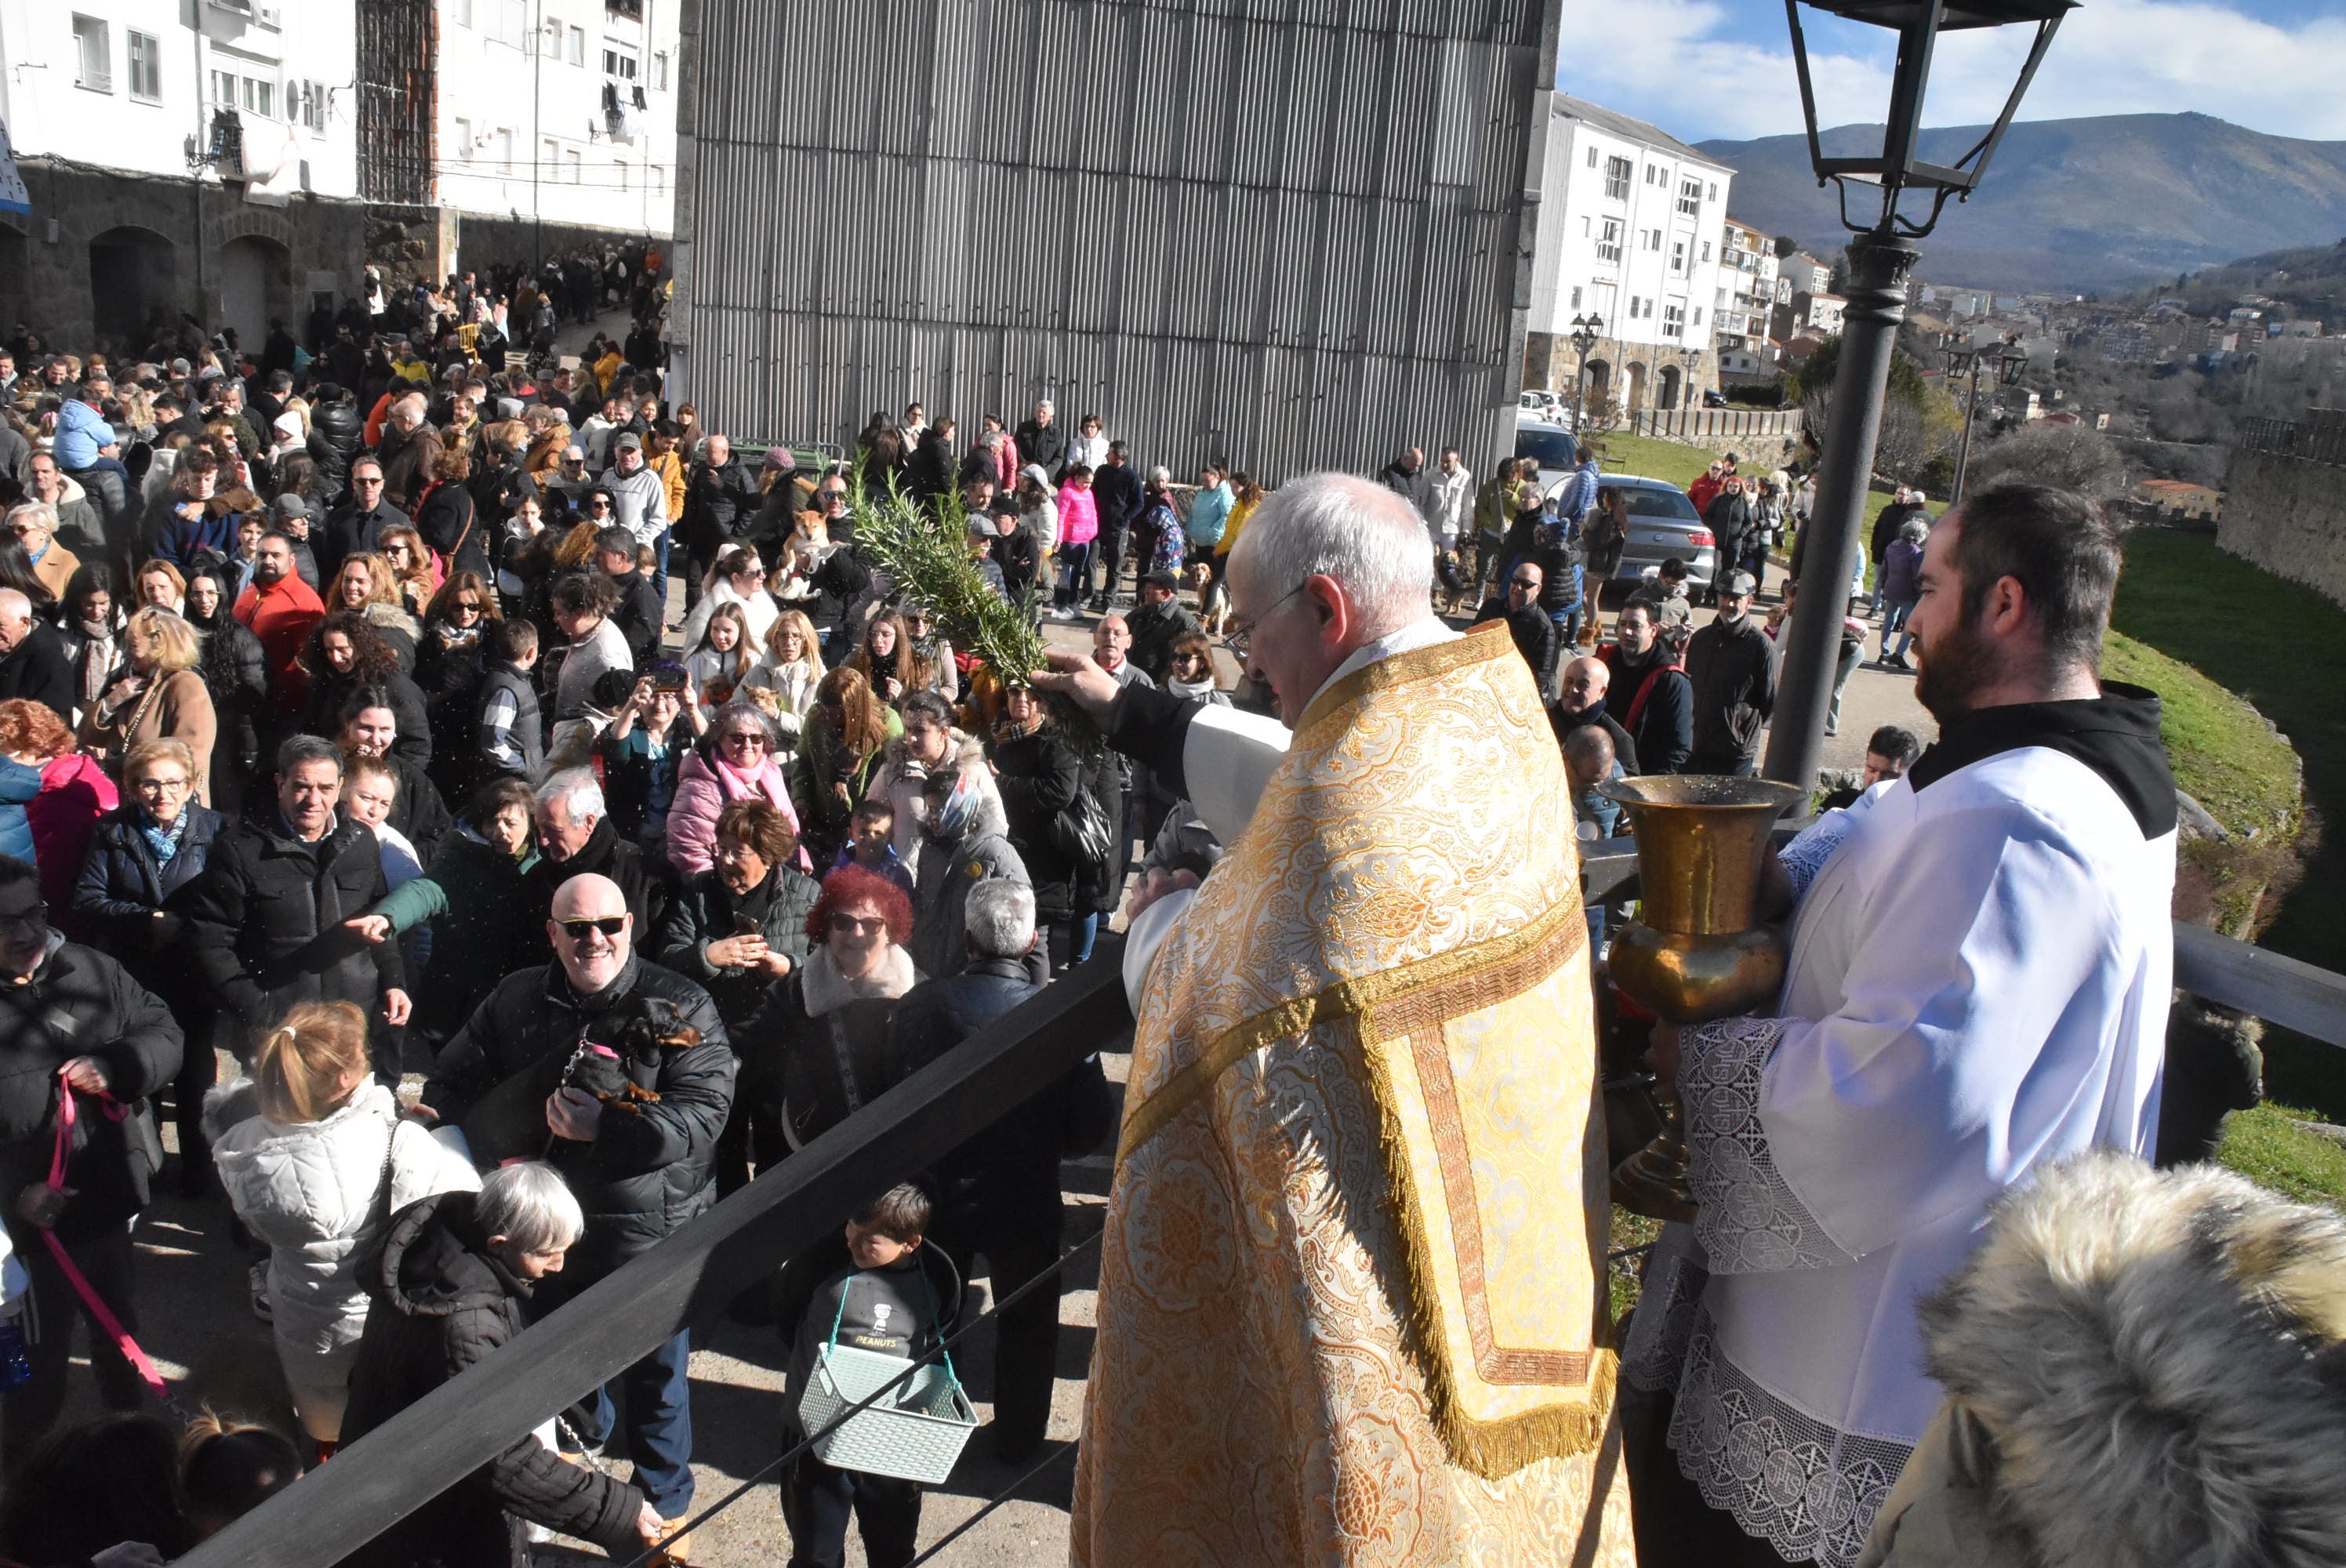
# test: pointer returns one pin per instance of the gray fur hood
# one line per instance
(2144, 1368)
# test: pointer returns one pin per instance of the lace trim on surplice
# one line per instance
(1801, 1484)
(1749, 1217)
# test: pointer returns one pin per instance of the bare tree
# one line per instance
(2074, 456)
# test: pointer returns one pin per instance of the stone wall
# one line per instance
(163, 248)
(2288, 513)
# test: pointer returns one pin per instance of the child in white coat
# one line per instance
(315, 1161)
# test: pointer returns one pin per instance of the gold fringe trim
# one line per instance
(1345, 999)
(1481, 643)
(1490, 1450)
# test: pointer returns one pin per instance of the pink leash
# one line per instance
(123, 1342)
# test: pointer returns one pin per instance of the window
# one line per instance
(577, 170)
(259, 97)
(1575, 298)
(464, 140)
(1677, 255)
(1690, 197)
(621, 164)
(1608, 244)
(577, 45)
(1720, 298)
(1698, 315)
(93, 55)
(1714, 193)
(1585, 228)
(619, 63)
(1592, 155)
(659, 72)
(146, 67)
(1674, 320)
(1706, 250)
(504, 151)
(1616, 179)
(313, 106)
(550, 158)
(1653, 240)
(658, 178)
(1654, 174)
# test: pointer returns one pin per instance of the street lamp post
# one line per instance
(1972, 360)
(1882, 259)
(1690, 359)
(1585, 330)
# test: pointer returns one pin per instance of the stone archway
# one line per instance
(133, 275)
(1597, 381)
(256, 287)
(1634, 397)
(1668, 395)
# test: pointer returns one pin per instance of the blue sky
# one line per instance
(1704, 68)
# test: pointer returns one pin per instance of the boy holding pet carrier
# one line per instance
(882, 1304)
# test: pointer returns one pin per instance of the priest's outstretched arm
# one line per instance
(1975, 998)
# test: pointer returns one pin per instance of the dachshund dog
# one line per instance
(619, 1042)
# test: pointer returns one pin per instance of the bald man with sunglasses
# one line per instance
(642, 1168)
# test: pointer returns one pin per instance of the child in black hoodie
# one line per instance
(883, 1303)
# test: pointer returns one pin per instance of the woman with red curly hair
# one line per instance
(818, 1049)
(72, 793)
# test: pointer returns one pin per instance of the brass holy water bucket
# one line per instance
(1697, 950)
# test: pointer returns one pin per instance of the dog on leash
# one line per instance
(1214, 616)
(1450, 576)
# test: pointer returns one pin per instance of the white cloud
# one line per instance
(1679, 64)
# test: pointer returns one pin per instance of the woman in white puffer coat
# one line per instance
(315, 1160)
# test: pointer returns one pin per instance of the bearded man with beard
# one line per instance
(1981, 957)
(1732, 667)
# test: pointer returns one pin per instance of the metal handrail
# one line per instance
(467, 1421)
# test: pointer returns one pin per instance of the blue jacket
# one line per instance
(1210, 514)
(1573, 502)
(81, 431)
(121, 886)
(180, 539)
(19, 784)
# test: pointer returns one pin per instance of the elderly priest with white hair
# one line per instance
(1353, 1304)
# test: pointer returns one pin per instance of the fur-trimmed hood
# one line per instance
(2143, 1368)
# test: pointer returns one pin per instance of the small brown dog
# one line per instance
(1453, 580)
(1217, 616)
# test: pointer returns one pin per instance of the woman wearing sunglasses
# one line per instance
(734, 760)
(818, 1049)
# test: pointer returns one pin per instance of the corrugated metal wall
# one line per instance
(1285, 234)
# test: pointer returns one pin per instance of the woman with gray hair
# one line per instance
(451, 1282)
(734, 760)
(1901, 586)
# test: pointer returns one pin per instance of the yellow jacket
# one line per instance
(670, 468)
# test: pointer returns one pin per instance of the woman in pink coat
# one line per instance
(733, 761)
(75, 793)
(1078, 526)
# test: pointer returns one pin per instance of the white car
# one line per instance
(1544, 406)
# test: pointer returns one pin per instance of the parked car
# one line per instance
(1549, 443)
(1662, 524)
(1538, 403)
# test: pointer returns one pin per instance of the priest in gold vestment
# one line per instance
(1351, 1303)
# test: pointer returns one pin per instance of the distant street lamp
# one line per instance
(1692, 358)
(1971, 360)
(1881, 259)
(1586, 331)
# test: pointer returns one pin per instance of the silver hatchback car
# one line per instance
(1662, 524)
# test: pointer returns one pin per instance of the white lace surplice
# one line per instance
(1976, 983)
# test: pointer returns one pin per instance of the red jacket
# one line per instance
(282, 616)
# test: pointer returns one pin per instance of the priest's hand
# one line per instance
(1155, 885)
(1662, 1056)
(1079, 676)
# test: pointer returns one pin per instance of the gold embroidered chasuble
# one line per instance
(1351, 1304)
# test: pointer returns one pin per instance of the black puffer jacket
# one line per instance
(706, 910)
(265, 921)
(441, 1303)
(235, 668)
(81, 1003)
(337, 431)
(645, 1175)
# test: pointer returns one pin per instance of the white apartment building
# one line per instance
(1746, 295)
(558, 112)
(169, 150)
(1629, 229)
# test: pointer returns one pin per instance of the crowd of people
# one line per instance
(345, 730)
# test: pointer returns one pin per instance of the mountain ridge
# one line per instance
(2100, 203)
